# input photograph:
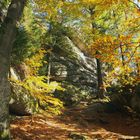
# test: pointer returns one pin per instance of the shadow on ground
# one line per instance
(73, 122)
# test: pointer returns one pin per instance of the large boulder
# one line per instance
(70, 64)
(22, 102)
(72, 94)
(135, 101)
(75, 70)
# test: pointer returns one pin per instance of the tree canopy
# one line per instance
(60, 52)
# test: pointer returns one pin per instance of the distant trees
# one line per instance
(109, 30)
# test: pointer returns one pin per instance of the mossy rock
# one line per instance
(76, 136)
(22, 102)
(72, 94)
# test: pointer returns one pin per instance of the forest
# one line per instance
(69, 70)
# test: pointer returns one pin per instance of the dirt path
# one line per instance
(72, 125)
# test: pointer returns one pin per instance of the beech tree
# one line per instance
(7, 37)
(94, 23)
(119, 45)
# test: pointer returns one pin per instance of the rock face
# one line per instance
(135, 101)
(70, 66)
(22, 102)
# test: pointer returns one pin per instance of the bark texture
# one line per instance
(99, 68)
(100, 80)
(7, 36)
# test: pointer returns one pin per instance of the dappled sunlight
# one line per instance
(69, 69)
(73, 122)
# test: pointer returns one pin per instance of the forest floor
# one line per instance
(72, 124)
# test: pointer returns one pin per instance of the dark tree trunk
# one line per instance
(49, 69)
(138, 69)
(122, 56)
(99, 68)
(7, 36)
(100, 80)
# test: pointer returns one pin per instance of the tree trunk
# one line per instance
(7, 36)
(49, 69)
(122, 56)
(99, 69)
(100, 80)
(138, 69)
